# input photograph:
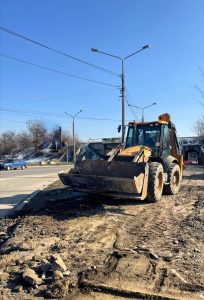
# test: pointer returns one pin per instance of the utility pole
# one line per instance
(73, 133)
(122, 81)
(123, 102)
(74, 144)
(67, 153)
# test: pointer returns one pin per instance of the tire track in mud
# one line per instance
(113, 244)
(164, 229)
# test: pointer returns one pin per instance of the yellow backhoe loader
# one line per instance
(147, 165)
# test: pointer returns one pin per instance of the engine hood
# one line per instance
(133, 151)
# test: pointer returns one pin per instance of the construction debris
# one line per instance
(57, 263)
(31, 277)
(109, 248)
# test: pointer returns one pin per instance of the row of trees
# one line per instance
(36, 136)
(199, 125)
(199, 128)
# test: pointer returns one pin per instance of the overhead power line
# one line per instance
(84, 93)
(57, 51)
(132, 102)
(14, 121)
(130, 107)
(54, 115)
(56, 71)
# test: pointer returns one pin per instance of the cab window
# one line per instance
(148, 135)
(166, 141)
(130, 137)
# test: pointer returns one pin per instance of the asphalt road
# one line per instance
(16, 185)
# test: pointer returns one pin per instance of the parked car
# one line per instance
(11, 164)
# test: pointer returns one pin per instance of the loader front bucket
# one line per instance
(118, 179)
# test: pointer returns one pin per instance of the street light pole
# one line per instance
(123, 102)
(67, 153)
(73, 132)
(142, 108)
(122, 81)
(73, 137)
(143, 115)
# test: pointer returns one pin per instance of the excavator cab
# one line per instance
(159, 137)
(145, 135)
(146, 166)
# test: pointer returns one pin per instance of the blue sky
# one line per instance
(166, 73)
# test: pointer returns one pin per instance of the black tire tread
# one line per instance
(168, 188)
(151, 194)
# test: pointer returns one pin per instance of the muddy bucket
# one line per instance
(118, 178)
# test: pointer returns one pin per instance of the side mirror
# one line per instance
(119, 128)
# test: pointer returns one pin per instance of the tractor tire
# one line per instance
(173, 179)
(155, 182)
(8, 168)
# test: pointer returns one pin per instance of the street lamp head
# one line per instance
(146, 47)
(66, 113)
(94, 50)
(154, 103)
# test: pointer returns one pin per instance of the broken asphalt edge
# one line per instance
(24, 202)
(19, 207)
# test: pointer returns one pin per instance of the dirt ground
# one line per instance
(84, 247)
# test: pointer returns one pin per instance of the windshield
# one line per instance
(8, 161)
(146, 135)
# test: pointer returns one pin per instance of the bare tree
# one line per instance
(199, 128)
(8, 143)
(66, 137)
(199, 124)
(36, 136)
(200, 90)
(37, 132)
(56, 134)
(23, 141)
(77, 141)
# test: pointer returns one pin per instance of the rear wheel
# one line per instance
(8, 168)
(173, 179)
(155, 182)
(23, 167)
